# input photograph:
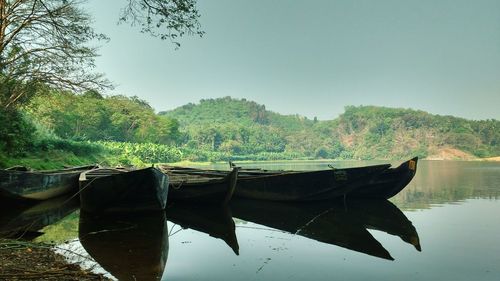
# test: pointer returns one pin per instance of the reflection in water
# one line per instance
(335, 223)
(331, 222)
(131, 247)
(441, 182)
(26, 220)
(215, 221)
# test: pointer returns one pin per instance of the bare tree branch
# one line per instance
(166, 19)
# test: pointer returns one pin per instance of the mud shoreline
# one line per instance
(21, 260)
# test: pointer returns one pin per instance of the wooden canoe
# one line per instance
(21, 184)
(307, 185)
(200, 188)
(382, 186)
(388, 183)
(295, 185)
(119, 190)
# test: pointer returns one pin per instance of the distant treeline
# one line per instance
(227, 128)
(241, 127)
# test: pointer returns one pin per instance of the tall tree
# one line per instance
(51, 42)
(46, 42)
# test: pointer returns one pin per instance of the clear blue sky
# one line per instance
(315, 57)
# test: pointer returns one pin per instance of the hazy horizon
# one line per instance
(314, 58)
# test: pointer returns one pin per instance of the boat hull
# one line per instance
(214, 190)
(388, 183)
(129, 191)
(306, 186)
(41, 185)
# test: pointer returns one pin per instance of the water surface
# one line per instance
(443, 226)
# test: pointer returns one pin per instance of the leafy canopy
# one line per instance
(52, 42)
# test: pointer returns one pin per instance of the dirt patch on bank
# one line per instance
(492, 159)
(27, 261)
(451, 154)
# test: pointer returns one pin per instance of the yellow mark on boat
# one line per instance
(412, 165)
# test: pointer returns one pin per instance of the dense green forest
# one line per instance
(125, 130)
(241, 127)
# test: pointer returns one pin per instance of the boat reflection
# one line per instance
(25, 220)
(336, 223)
(132, 247)
(215, 221)
(136, 247)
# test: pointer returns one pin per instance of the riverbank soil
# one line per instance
(38, 262)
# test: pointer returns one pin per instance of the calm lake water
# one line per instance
(443, 226)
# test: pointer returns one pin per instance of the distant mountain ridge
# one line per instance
(239, 127)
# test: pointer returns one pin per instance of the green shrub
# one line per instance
(16, 132)
(145, 152)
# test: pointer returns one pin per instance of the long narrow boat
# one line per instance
(382, 186)
(118, 190)
(200, 188)
(307, 185)
(21, 184)
(295, 185)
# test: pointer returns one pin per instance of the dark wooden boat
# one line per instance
(21, 184)
(388, 183)
(382, 186)
(307, 185)
(201, 188)
(332, 222)
(215, 221)
(132, 247)
(295, 185)
(119, 190)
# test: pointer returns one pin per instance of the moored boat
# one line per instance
(19, 183)
(200, 188)
(307, 185)
(381, 186)
(119, 190)
(294, 185)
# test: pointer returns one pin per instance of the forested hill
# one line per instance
(230, 111)
(241, 127)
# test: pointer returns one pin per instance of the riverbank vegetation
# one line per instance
(56, 128)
